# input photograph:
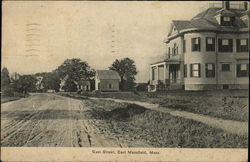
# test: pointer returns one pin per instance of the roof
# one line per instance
(107, 74)
(180, 24)
(168, 61)
(84, 82)
(206, 20)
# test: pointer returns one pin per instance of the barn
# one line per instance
(107, 80)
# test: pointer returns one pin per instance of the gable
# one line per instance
(172, 30)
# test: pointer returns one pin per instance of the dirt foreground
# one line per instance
(50, 120)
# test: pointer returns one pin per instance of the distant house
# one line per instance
(107, 80)
(84, 85)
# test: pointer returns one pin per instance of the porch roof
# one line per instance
(167, 61)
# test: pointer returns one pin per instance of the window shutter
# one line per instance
(199, 45)
(247, 46)
(193, 43)
(220, 44)
(238, 45)
(247, 69)
(199, 66)
(238, 70)
(191, 70)
(230, 45)
(213, 70)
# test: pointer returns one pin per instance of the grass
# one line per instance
(135, 123)
(224, 104)
(15, 96)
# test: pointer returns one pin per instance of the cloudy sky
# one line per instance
(39, 36)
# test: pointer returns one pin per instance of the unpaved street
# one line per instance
(50, 120)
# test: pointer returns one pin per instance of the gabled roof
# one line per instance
(180, 24)
(206, 20)
(107, 74)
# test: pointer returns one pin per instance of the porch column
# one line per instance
(164, 73)
(157, 73)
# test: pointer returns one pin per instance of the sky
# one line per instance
(38, 36)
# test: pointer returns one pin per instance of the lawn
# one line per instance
(135, 123)
(8, 99)
(224, 104)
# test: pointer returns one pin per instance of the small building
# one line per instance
(107, 80)
(83, 85)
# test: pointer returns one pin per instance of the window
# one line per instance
(242, 70)
(225, 67)
(195, 70)
(210, 70)
(185, 70)
(184, 46)
(210, 44)
(196, 44)
(226, 19)
(110, 86)
(242, 45)
(225, 45)
(175, 50)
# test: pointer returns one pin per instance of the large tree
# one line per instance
(5, 78)
(127, 70)
(25, 84)
(51, 80)
(74, 70)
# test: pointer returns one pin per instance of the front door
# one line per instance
(173, 72)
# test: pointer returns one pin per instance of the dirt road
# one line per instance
(50, 120)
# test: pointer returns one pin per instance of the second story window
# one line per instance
(169, 51)
(196, 44)
(195, 70)
(210, 44)
(242, 45)
(225, 45)
(175, 50)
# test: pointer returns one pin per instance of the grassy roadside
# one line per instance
(8, 99)
(132, 123)
(224, 104)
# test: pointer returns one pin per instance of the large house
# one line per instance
(107, 80)
(210, 51)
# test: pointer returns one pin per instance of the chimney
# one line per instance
(245, 5)
(226, 5)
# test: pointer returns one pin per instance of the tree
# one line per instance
(25, 84)
(74, 70)
(127, 70)
(51, 81)
(70, 85)
(5, 78)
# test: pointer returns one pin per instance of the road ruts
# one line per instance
(48, 120)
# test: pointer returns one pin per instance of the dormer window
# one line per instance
(227, 19)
